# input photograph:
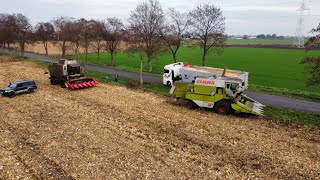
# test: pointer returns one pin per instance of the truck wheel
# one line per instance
(53, 81)
(11, 94)
(223, 107)
(169, 83)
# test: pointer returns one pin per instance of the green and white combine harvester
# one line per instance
(218, 89)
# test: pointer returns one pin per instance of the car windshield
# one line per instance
(12, 85)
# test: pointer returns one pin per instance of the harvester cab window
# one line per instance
(233, 87)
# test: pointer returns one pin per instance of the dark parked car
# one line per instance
(19, 87)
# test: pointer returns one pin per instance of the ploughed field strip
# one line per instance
(113, 132)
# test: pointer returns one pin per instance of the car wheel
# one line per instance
(11, 94)
(223, 107)
(30, 90)
(169, 83)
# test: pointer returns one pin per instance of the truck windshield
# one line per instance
(166, 71)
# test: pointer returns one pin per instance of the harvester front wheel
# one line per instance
(63, 83)
(223, 107)
(53, 81)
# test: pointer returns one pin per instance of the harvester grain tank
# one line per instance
(187, 73)
(70, 74)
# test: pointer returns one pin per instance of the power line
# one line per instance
(299, 39)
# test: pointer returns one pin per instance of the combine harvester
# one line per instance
(70, 74)
(218, 89)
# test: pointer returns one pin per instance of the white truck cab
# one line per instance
(172, 73)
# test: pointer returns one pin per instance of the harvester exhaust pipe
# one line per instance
(224, 72)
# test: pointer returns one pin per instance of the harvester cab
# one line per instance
(70, 74)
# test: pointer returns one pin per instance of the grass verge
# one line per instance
(311, 96)
(281, 114)
(293, 116)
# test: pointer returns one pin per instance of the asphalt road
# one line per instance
(266, 99)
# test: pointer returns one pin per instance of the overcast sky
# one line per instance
(242, 16)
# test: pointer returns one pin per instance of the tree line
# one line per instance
(150, 32)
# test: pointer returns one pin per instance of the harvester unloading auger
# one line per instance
(70, 74)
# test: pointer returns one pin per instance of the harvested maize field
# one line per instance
(111, 132)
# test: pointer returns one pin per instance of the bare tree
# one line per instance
(135, 45)
(147, 20)
(208, 21)
(2, 30)
(63, 30)
(23, 31)
(44, 32)
(113, 36)
(172, 34)
(7, 29)
(86, 34)
(75, 30)
(98, 32)
(313, 62)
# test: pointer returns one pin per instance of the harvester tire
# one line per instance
(169, 84)
(223, 107)
(63, 83)
(53, 81)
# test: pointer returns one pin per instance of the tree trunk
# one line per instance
(149, 62)
(86, 54)
(22, 50)
(112, 58)
(150, 66)
(98, 55)
(63, 49)
(204, 56)
(141, 68)
(174, 55)
(46, 47)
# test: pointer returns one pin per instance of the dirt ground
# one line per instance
(111, 132)
(55, 50)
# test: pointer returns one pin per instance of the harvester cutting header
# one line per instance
(70, 74)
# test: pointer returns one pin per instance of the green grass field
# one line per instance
(277, 68)
(250, 42)
(260, 41)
